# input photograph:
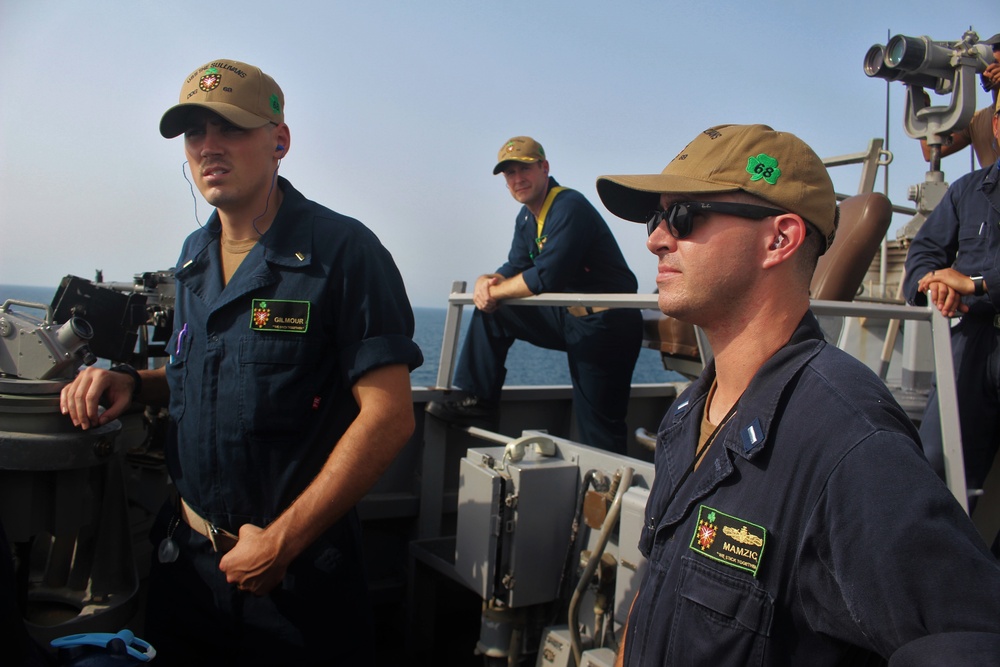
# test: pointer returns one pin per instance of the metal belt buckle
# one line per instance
(222, 541)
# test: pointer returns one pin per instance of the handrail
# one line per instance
(940, 337)
(870, 160)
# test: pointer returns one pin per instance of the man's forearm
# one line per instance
(155, 390)
(366, 449)
(511, 288)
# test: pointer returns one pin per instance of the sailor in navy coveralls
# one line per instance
(792, 520)
(954, 256)
(289, 393)
(561, 244)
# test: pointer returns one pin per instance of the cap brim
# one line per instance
(635, 198)
(992, 41)
(497, 169)
(175, 121)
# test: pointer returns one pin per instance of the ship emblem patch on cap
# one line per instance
(763, 166)
(510, 146)
(211, 80)
(275, 104)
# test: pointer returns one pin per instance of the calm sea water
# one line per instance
(526, 364)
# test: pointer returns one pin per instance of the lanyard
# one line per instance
(546, 205)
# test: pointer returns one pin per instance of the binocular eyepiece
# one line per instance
(920, 61)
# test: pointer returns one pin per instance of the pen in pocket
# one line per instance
(180, 338)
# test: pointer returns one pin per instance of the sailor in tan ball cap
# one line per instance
(792, 518)
(561, 244)
(289, 394)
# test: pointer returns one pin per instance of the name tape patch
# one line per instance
(278, 315)
(729, 539)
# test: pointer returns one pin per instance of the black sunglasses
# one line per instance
(680, 216)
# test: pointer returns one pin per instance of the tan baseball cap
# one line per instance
(240, 93)
(519, 149)
(775, 166)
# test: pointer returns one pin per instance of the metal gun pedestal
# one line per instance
(63, 506)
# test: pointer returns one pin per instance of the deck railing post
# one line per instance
(951, 432)
(449, 341)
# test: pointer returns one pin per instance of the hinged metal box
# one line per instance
(514, 525)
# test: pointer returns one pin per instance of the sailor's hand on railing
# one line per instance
(481, 293)
(945, 289)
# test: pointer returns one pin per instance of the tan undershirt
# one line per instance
(707, 427)
(233, 254)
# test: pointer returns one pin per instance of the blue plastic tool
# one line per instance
(137, 648)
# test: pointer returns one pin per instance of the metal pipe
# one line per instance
(595, 558)
(514, 652)
(588, 477)
(600, 618)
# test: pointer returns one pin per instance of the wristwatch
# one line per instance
(126, 369)
(977, 285)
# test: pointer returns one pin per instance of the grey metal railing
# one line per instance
(940, 334)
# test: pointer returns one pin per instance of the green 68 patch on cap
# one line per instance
(777, 167)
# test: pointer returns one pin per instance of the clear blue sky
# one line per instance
(397, 110)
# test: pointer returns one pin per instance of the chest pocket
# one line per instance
(973, 236)
(279, 383)
(722, 618)
(177, 370)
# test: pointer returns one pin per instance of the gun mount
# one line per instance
(62, 489)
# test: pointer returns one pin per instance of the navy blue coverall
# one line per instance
(963, 232)
(577, 253)
(813, 532)
(260, 378)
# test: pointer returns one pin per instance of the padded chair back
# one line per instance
(864, 220)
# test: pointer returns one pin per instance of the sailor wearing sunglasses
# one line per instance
(792, 519)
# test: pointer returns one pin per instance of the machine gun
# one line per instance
(41, 349)
(131, 321)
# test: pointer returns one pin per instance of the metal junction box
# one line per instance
(514, 524)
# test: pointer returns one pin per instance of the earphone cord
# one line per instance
(267, 202)
(193, 196)
(274, 178)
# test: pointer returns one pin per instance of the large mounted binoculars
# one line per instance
(920, 61)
